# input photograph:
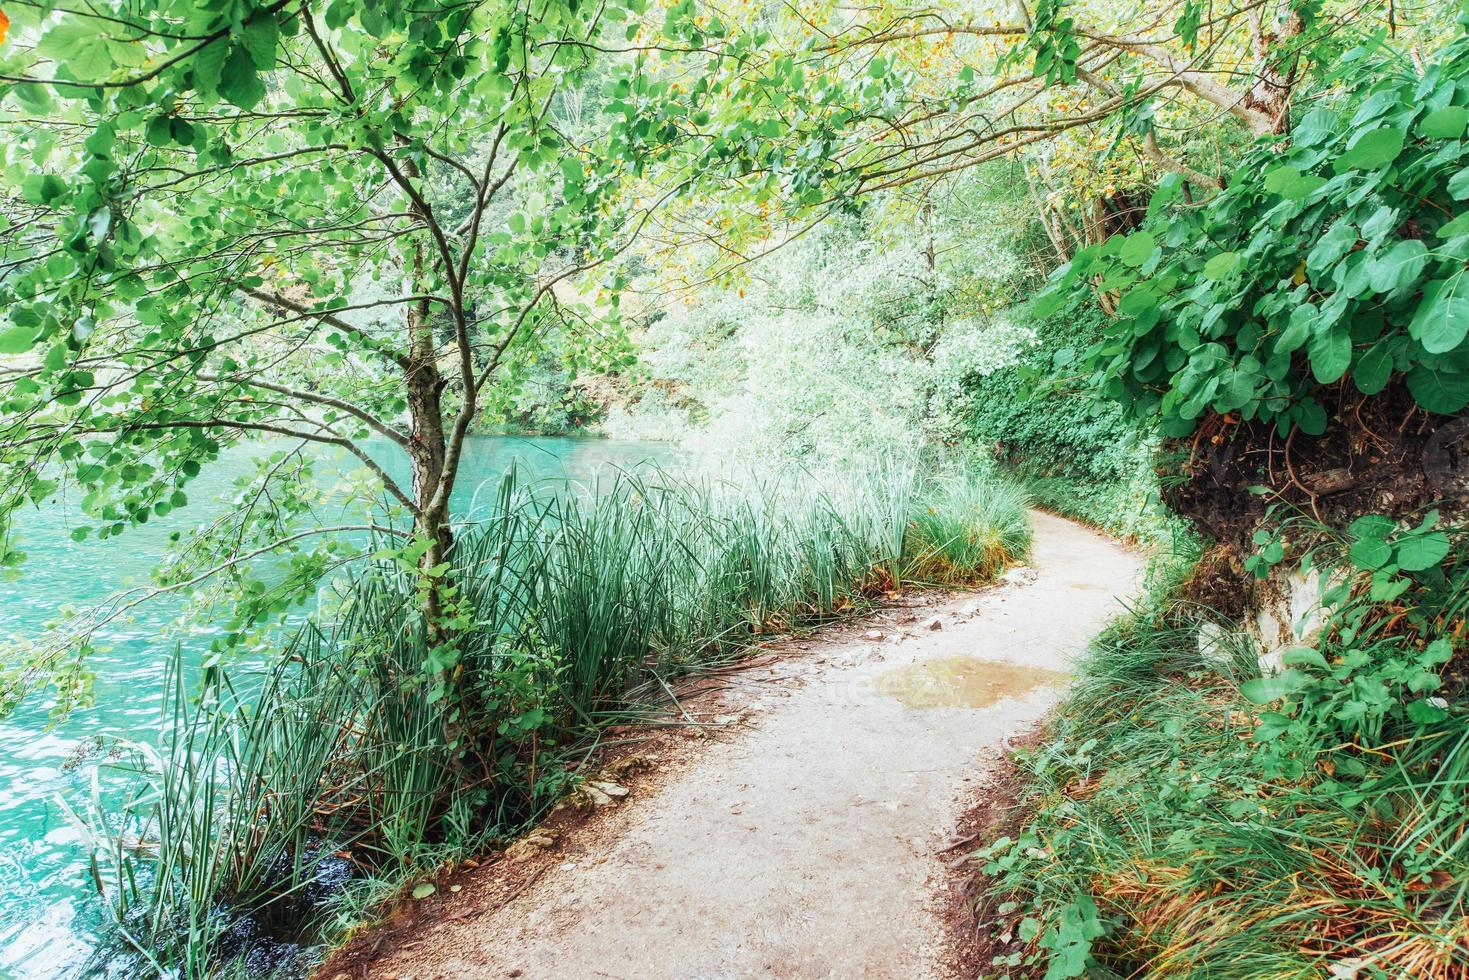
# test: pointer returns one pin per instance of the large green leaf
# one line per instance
(1370, 554)
(1442, 319)
(1331, 354)
(1419, 551)
(239, 82)
(1373, 370)
(1446, 123)
(1373, 149)
(17, 340)
(1438, 389)
(78, 42)
(1137, 248)
(1301, 325)
(1273, 687)
(1399, 265)
(259, 37)
(1459, 185)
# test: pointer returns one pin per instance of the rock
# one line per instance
(934, 624)
(610, 789)
(530, 845)
(1019, 575)
(873, 635)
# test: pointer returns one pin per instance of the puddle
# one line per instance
(962, 682)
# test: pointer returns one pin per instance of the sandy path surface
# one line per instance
(806, 844)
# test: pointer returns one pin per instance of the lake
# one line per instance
(50, 918)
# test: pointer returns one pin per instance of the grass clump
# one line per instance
(1191, 817)
(276, 808)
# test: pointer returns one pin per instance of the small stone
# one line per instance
(609, 788)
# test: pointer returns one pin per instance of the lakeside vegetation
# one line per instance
(279, 811)
(1192, 274)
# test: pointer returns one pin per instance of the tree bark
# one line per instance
(1274, 70)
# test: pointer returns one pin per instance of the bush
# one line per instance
(1325, 272)
(1079, 455)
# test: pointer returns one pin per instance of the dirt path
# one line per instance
(805, 843)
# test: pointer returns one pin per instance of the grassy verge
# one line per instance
(1191, 818)
(273, 812)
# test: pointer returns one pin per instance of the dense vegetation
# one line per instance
(1204, 809)
(583, 610)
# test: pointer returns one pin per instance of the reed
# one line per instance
(342, 761)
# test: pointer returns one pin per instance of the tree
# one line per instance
(1102, 103)
(331, 224)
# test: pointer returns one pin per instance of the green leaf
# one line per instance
(1437, 389)
(1458, 226)
(259, 37)
(1459, 184)
(1370, 554)
(1446, 123)
(1419, 551)
(76, 42)
(1398, 266)
(1374, 526)
(17, 340)
(1301, 325)
(1137, 249)
(1424, 713)
(208, 65)
(424, 889)
(1304, 657)
(1442, 319)
(43, 188)
(1303, 186)
(1387, 586)
(1311, 417)
(1337, 241)
(1220, 265)
(1280, 178)
(239, 83)
(1373, 370)
(1373, 149)
(35, 99)
(1331, 354)
(1273, 687)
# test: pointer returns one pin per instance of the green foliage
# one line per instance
(1336, 260)
(1079, 454)
(852, 346)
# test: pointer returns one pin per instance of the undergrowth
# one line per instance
(274, 811)
(1191, 817)
(1077, 454)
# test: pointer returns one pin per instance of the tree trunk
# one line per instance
(1275, 69)
(427, 446)
(426, 449)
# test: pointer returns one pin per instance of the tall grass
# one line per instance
(1173, 831)
(345, 759)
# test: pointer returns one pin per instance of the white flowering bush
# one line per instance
(844, 344)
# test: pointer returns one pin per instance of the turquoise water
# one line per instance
(49, 916)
